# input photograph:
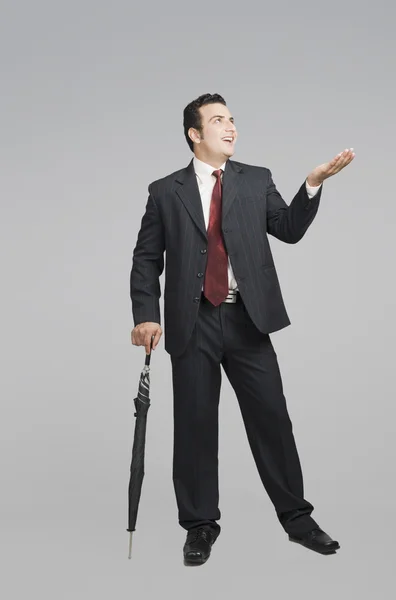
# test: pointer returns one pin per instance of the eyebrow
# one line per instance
(220, 117)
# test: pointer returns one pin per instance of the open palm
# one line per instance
(326, 170)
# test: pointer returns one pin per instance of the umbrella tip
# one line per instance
(130, 545)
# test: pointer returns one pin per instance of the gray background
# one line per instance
(92, 95)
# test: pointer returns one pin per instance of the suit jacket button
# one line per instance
(200, 275)
(203, 251)
(196, 300)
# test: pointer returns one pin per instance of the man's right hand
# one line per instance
(142, 334)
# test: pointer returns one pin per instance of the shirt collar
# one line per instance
(204, 170)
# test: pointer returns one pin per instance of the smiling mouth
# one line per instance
(229, 140)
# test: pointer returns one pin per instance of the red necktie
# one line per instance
(216, 275)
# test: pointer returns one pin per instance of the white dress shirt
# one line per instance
(206, 182)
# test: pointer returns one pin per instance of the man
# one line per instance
(222, 300)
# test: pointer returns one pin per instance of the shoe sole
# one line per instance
(195, 563)
(319, 551)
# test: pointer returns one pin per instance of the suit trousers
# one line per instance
(226, 336)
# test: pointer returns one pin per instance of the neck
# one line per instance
(213, 161)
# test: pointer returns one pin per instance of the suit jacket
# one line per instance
(174, 224)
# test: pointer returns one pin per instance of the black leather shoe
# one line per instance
(198, 545)
(316, 540)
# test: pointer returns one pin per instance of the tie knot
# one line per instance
(217, 173)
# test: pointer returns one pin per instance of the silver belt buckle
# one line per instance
(232, 297)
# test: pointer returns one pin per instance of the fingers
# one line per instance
(157, 338)
(340, 161)
(345, 157)
(147, 343)
(336, 159)
(147, 335)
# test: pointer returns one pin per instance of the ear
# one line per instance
(194, 136)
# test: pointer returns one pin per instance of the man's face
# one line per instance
(219, 133)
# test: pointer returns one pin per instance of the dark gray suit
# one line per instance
(200, 337)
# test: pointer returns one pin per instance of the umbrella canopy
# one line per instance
(142, 404)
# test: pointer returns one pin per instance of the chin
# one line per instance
(229, 153)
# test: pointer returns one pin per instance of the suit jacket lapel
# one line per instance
(230, 186)
(188, 193)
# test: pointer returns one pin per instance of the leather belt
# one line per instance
(232, 297)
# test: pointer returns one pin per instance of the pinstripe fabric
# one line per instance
(173, 222)
(225, 335)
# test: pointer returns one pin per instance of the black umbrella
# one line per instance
(142, 404)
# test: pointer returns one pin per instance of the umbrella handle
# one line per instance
(148, 356)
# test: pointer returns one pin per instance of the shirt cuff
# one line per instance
(312, 190)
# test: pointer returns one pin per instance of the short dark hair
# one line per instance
(192, 116)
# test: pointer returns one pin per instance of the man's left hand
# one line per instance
(322, 172)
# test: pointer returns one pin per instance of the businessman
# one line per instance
(222, 301)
